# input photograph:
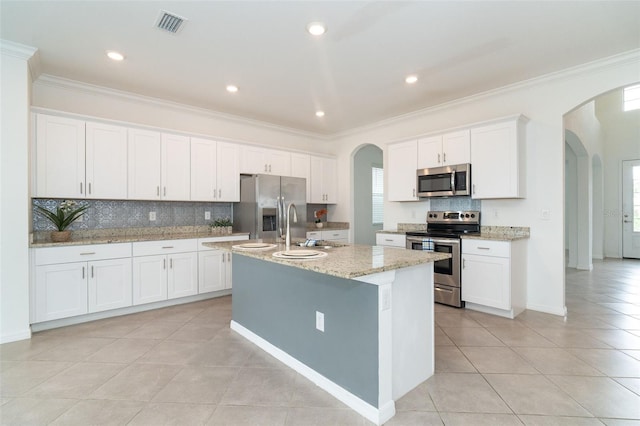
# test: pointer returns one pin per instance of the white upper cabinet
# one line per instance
(78, 159)
(401, 175)
(215, 171)
(159, 166)
(323, 180)
(497, 159)
(256, 160)
(176, 167)
(301, 168)
(106, 161)
(444, 150)
(144, 164)
(60, 157)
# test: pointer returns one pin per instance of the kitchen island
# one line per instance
(358, 322)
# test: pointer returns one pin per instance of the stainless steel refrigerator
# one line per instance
(264, 201)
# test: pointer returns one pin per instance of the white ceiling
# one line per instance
(355, 72)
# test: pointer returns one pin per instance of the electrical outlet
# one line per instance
(320, 321)
(152, 216)
(207, 215)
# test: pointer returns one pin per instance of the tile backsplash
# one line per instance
(104, 214)
(455, 204)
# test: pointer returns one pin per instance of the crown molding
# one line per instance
(17, 50)
(625, 58)
(74, 85)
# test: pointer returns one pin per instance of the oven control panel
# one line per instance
(453, 217)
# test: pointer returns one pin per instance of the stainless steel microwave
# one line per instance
(448, 181)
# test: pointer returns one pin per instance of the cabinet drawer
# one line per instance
(219, 240)
(150, 248)
(393, 240)
(339, 234)
(314, 235)
(486, 247)
(66, 254)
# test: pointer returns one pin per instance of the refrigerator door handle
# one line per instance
(283, 218)
(279, 216)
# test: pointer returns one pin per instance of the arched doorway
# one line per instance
(367, 161)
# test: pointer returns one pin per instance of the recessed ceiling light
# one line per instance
(231, 88)
(411, 79)
(316, 28)
(319, 113)
(116, 56)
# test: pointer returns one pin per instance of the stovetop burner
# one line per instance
(449, 224)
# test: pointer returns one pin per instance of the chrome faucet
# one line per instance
(295, 219)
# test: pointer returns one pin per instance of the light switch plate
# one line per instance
(320, 321)
(207, 215)
(152, 216)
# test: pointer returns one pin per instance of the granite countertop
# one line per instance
(129, 235)
(344, 261)
(327, 226)
(499, 233)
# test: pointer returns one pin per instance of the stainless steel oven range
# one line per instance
(443, 235)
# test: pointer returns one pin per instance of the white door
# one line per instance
(429, 152)
(182, 275)
(402, 166)
(316, 193)
(631, 209)
(149, 279)
(61, 291)
(228, 168)
(227, 267)
(210, 271)
(253, 160)
(59, 157)
(176, 167)
(144, 165)
(203, 170)
(106, 161)
(486, 281)
(456, 148)
(109, 284)
(301, 167)
(279, 162)
(330, 180)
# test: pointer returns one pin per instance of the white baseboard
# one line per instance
(14, 337)
(548, 309)
(373, 414)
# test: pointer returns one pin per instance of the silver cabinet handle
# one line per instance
(444, 157)
(484, 248)
(171, 263)
(223, 257)
(265, 167)
(81, 187)
(158, 191)
(164, 263)
(87, 253)
(229, 257)
(167, 247)
(626, 221)
(214, 193)
(89, 187)
(464, 263)
(219, 193)
(165, 191)
(414, 192)
(91, 271)
(83, 272)
(474, 188)
(438, 158)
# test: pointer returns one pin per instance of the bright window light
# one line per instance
(377, 195)
(632, 97)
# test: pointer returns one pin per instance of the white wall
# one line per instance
(15, 84)
(622, 142)
(544, 101)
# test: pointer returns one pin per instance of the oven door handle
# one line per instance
(453, 182)
(455, 242)
(443, 289)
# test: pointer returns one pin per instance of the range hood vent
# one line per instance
(171, 22)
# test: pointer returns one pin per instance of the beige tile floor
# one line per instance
(182, 365)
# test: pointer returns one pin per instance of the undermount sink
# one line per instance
(299, 254)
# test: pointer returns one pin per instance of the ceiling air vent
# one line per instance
(170, 22)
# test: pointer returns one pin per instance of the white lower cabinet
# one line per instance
(494, 276)
(214, 270)
(164, 270)
(76, 280)
(391, 240)
(337, 235)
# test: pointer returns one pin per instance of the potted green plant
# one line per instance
(222, 226)
(66, 213)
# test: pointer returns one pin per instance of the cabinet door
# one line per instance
(182, 275)
(227, 270)
(176, 167)
(253, 160)
(210, 271)
(485, 281)
(228, 172)
(109, 285)
(144, 165)
(301, 167)
(495, 162)
(456, 148)
(330, 180)
(61, 291)
(106, 162)
(402, 165)
(279, 162)
(203, 169)
(429, 152)
(316, 185)
(149, 279)
(60, 163)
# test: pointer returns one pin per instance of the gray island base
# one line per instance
(378, 338)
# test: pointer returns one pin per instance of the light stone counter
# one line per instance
(499, 233)
(128, 235)
(349, 261)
